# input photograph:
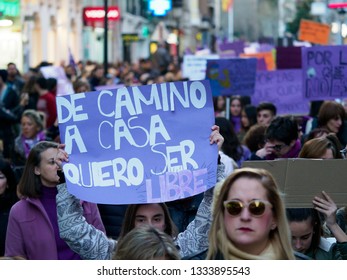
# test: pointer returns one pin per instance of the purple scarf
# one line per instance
(29, 143)
(236, 121)
(292, 153)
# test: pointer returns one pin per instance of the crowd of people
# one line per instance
(242, 217)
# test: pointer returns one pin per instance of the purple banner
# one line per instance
(261, 64)
(234, 76)
(288, 57)
(141, 144)
(236, 47)
(282, 88)
(325, 72)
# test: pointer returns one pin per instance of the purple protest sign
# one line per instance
(265, 48)
(325, 72)
(237, 47)
(113, 86)
(139, 144)
(288, 57)
(282, 88)
(261, 64)
(234, 76)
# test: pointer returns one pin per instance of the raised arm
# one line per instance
(83, 238)
(328, 208)
(195, 237)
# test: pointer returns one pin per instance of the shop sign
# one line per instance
(93, 16)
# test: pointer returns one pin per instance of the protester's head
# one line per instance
(98, 71)
(146, 243)
(331, 116)
(306, 229)
(41, 84)
(255, 137)
(248, 116)
(266, 112)
(31, 123)
(81, 86)
(235, 106)
(40, 169)
(282, 135)
(219, 105)
(328, 147)
(12, 70)
(249, 218)
(231, 145)
(154, 214)
(52, 84)
(7, 177)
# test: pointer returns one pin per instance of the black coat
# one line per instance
(112, 217)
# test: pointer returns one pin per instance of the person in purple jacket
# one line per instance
(32, 231)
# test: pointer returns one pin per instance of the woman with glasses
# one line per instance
(249, 220)
(281, 140)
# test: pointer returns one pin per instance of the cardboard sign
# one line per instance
(143, 144)
(268, 57)
(282, 88)
(302, 179)
(64, 86)
(234, 76)
(314, 32)
(325, 72)
(194, 66)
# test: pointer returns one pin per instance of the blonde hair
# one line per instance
(279, 237)
(146, 243)
(35, 116)
(317, 147)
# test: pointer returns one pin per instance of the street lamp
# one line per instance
(105, 37)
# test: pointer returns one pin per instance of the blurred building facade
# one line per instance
(45, 30)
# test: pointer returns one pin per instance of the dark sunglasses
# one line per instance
(278, 148)
(255, 207)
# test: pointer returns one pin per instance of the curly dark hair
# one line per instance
(284, 129)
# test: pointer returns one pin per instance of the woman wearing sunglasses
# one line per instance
(249, 220)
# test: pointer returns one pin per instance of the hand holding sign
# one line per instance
(327, 206)
(216, 137)
(62, 156)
